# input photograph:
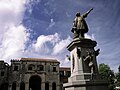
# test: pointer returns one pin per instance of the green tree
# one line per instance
(118, 77)
(108, 74)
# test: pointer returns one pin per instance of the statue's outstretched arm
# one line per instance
(85, 15)
(89, 11)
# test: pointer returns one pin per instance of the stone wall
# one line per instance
(26, 74)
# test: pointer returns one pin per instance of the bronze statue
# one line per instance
(79, 24)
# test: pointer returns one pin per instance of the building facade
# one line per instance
(30, 74)
(64, 74)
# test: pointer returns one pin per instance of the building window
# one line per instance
(61, 73)
(14, 86)
(2, 73)
(30, 68)
(46, 86)
(54, 69)
(40, 67)
(15, 68)
(68, 73)
(22, 86)
(53, 86)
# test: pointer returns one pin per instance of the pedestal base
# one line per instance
(86, 85)
(86, 82)
(84, 75)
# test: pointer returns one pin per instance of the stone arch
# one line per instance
(35, 82)
(22, 86)
(53, 86)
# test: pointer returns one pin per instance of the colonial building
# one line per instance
(4, 71)
(64, 74)
(30, 74)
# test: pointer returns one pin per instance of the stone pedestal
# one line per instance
(86, 85)
(84, 69)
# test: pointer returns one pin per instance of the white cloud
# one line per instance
(41, 45)
(11, 11)
(49, 46)
(60, 46)
(13, 42)
(13, 35)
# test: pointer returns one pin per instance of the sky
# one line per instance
(42, 29)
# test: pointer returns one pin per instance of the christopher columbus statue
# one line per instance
(79, 24)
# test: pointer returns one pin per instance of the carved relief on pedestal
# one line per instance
(90, 58)
(78, 52)
(89, 61)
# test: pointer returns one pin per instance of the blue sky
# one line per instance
(42, 28)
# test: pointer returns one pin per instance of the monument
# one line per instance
(84, 69)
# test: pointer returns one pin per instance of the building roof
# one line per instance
(2, 61)
(64, 68)
(39, 60)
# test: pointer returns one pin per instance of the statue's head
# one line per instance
(77, 14)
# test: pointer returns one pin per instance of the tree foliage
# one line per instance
(108, 74)
(118, 77)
